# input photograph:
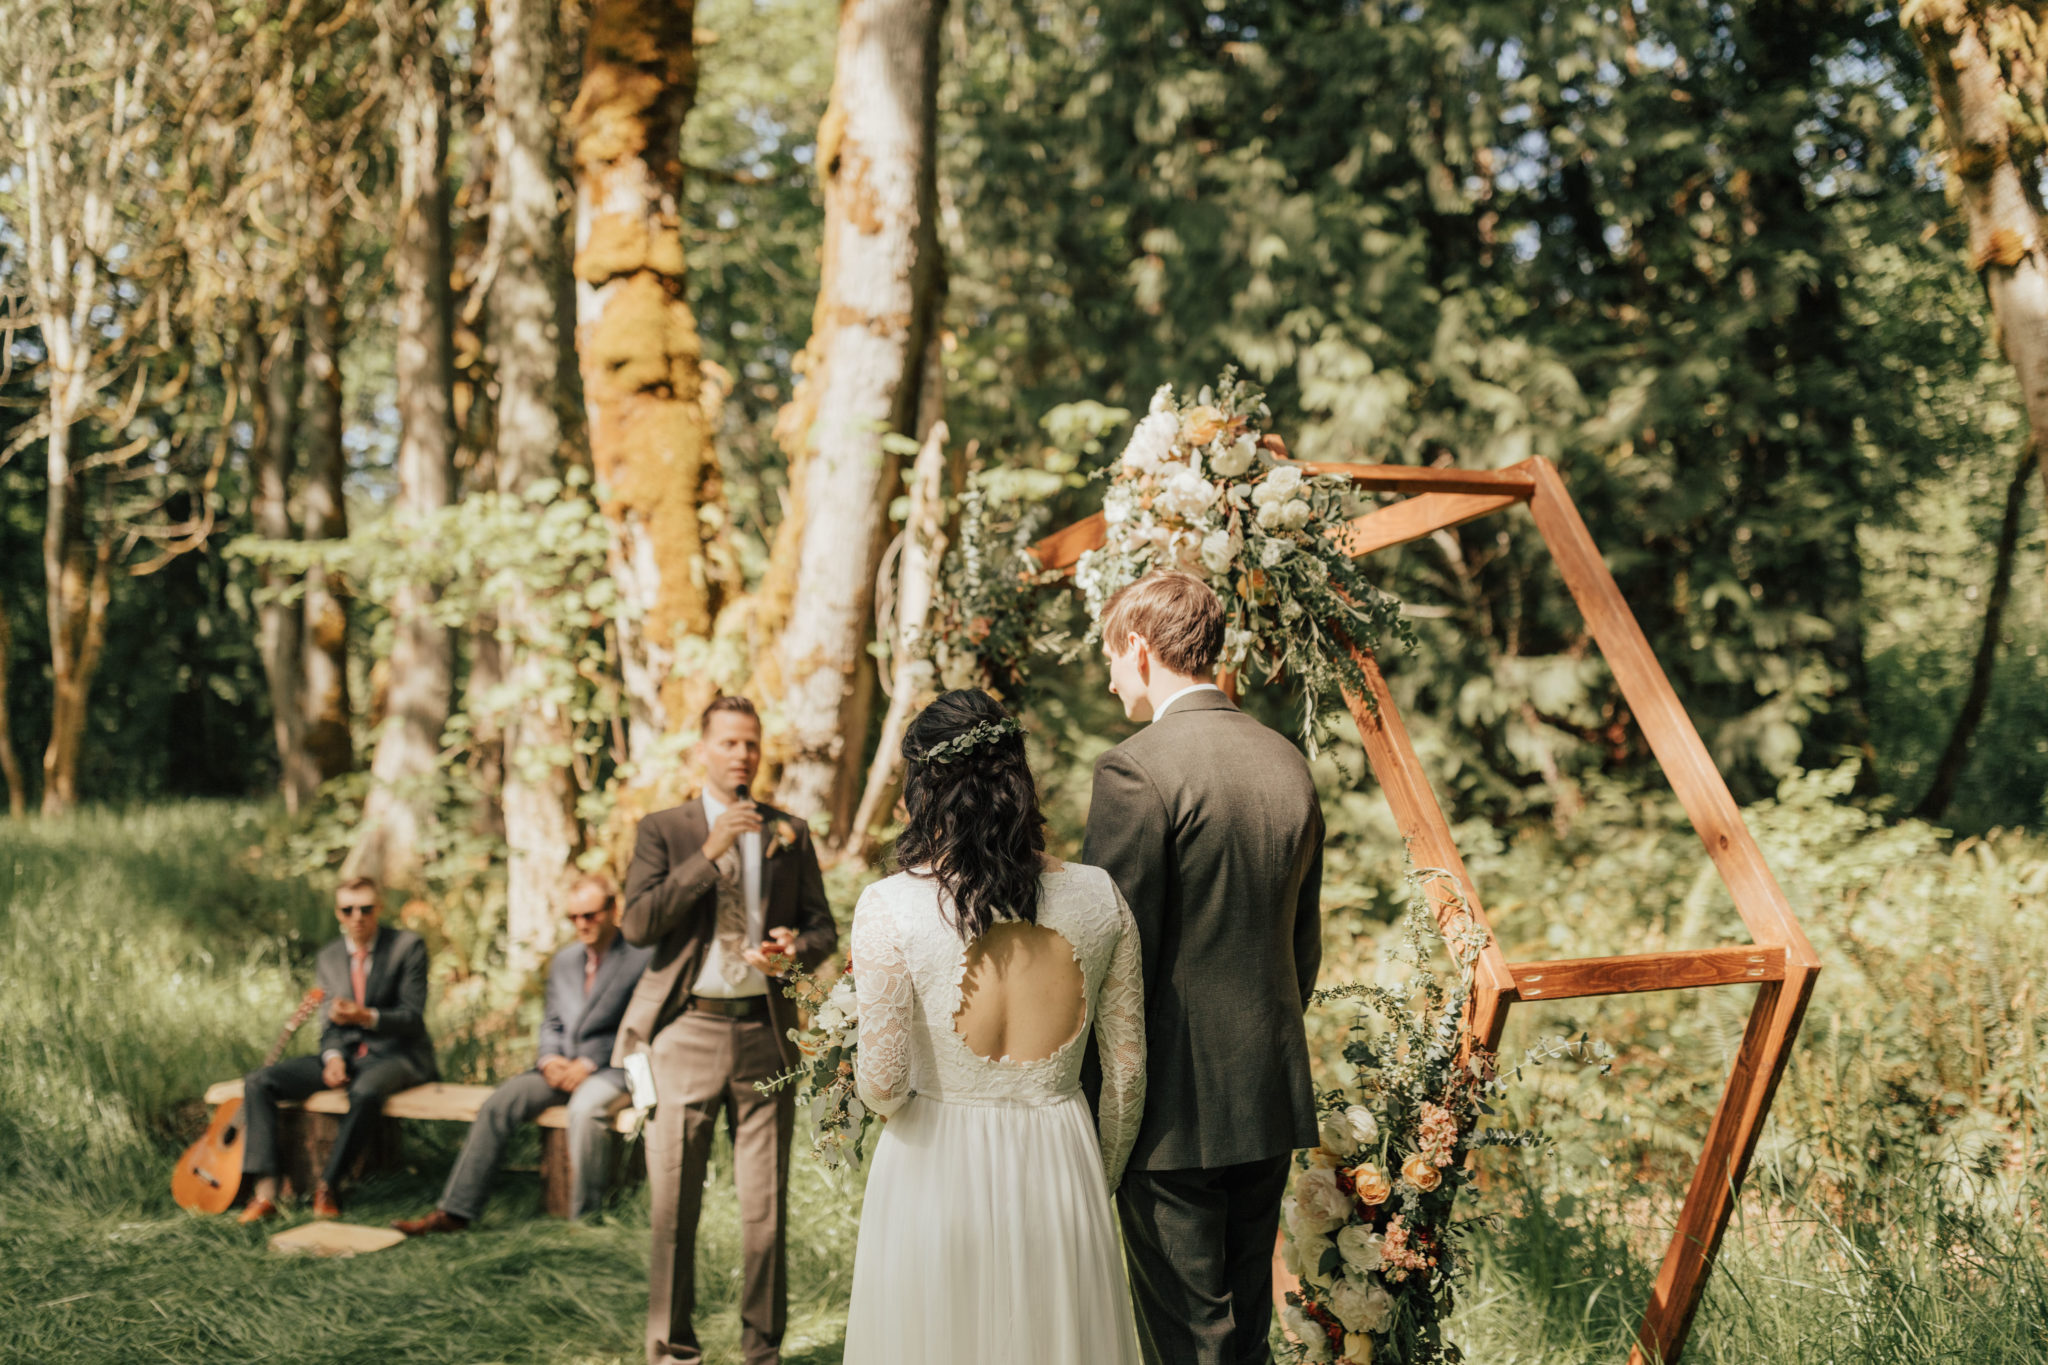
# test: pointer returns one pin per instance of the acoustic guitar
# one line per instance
(209, 1175)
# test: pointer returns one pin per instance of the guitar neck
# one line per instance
(307, 1004)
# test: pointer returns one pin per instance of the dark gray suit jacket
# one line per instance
(1209, 823)
(672, 906)
(574, 1027)
(396, 987)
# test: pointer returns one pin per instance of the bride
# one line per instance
(987, 1234)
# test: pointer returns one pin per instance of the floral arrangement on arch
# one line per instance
(1367, 1227)
(824, 1078)
(1201, 488)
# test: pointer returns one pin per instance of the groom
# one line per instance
(1208, 822)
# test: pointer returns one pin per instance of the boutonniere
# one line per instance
(781, 834)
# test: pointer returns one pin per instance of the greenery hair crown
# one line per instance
(961, 745)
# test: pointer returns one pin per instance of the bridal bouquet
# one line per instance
(1367, 1228)
(1201, 488)
(824, 1079)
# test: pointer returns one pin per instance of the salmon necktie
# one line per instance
(358, 973)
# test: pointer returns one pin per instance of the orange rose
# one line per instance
(1421, 1173)
(1372, 1183)
(1200, 426)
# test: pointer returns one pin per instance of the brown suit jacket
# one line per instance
(672, 907)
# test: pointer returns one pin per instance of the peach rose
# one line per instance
(1200, 426)
(1420, 1172)
(1372, 1183)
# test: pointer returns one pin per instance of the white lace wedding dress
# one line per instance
(987, 1236)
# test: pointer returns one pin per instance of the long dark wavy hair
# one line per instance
(974, 821)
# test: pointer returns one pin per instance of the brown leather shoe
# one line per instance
(437, 1221)
(325, 1205)
(258, 1211)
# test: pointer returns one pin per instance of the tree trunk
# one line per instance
(422, 651)
(1955, 757)
(324, 659)
(2006, 240)
(877, 307)
(648, 407)
(279, 631)
(536, 375)
(10, 762)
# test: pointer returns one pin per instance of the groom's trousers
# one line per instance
(1200, 1248)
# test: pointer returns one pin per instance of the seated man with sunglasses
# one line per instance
(589, 983)
(374, 1042)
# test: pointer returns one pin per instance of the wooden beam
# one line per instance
(1413, 518)
(1578, 978)
(1427, 832)
(1517, 480)
(1672, 738)
(1063, 549)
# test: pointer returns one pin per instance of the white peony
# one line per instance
(1362, 1306)
(1307, 1331)
(1216, 552)
(1234, 459)
(1321, 1204)
(1187, 495)
(1152, 442)
(1295, 515)
(1336, 1136)
(1360, 1246)
(1286, 479)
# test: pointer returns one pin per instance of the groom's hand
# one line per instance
(741, 817)
(775, 954)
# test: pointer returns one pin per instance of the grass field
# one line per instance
(1895, 1215)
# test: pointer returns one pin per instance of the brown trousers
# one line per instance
(705, 1064)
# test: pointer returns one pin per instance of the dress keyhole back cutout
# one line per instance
(1022, 997)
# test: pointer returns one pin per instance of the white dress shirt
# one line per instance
(1187, 691)
(711, 980)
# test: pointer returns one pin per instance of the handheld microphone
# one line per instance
(741, 792)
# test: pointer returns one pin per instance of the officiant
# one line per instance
(728, 892)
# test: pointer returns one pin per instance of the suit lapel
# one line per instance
(380, 961)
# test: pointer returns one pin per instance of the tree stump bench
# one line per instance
(307, 1130)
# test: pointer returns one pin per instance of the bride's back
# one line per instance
(1022, 997)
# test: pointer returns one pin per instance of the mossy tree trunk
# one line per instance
(877, 311)
(649, 410)
(422, 657)
(536, 384)
(273, 368)
(328, 744)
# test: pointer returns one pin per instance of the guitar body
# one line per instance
(208, 1176)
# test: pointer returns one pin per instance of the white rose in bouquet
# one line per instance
(1335, 1134)
(1278, 486)
(1360, 1246)
(1187, 494)
(1234, 459)
(1320, 1203)
(1361, 1306)
(1216, 552)
(1152, 442)
(1364, 1127)
(1307, 1331)
(1269, 514)
(1294, 515)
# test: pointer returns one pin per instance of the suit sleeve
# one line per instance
(662, 897)
(1129, 837)
(817, 934)
(554, 1034)
(1308, 917)
(408, 1018)
(333, 1037)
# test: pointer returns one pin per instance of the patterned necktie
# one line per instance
(732, 918)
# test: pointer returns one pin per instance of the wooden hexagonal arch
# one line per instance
(1780, 961)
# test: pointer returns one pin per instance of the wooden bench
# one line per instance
(304, 1145)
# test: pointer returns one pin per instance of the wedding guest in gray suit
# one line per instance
(589, 983)
(1208, 823)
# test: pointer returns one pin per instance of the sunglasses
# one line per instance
(588, 915)
(355, 909)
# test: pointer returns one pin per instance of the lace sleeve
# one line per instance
(1120, 1042)
(881, 980)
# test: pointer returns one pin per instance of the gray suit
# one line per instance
(1209, 823)
(577, 1027)
(393, 1054)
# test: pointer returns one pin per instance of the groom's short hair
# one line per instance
(1179, 615)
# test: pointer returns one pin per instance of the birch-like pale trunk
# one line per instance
(535, 369)
(328, 744)
(1959, 41)
(422, 658)
(648, 408)
(877, 307)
